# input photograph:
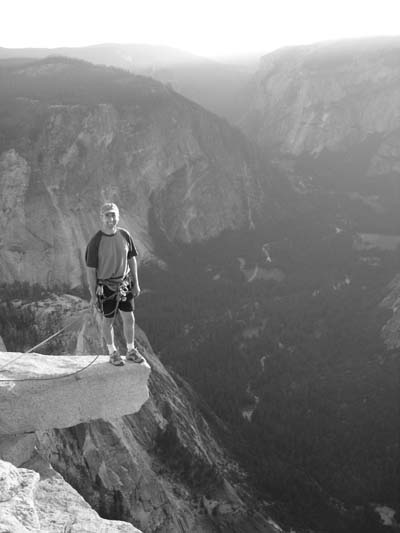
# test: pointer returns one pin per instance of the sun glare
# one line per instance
(209, 28)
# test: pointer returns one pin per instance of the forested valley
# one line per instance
(305, 357)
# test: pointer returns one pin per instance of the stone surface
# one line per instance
(39, 392)
(41, 501)
(17, 509)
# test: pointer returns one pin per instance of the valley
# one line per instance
(327, 382)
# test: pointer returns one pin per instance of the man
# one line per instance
(113, 281)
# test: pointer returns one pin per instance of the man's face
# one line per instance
(110, 220)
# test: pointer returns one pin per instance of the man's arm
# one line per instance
(134, 273)
(92, 281)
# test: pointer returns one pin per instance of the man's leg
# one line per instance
(109, 303)
(108, 308)
(108, 333)
(108, 330)
(128, 323)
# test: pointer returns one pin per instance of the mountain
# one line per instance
(269, 288)
(73, 135)
(216, 85)
(332, 110)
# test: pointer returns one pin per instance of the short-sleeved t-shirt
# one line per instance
(109, 254)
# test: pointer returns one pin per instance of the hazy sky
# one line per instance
(204, 27)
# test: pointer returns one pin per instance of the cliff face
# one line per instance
(161, 469)
(38, 393)
(89, 134)
(331, 97)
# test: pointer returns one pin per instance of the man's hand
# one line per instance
(92, 282)
(136, 290)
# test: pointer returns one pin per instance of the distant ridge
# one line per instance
(211, 83)
(129, 56)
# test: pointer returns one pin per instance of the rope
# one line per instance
(55, 334)
(56, 377)
(115, 311)
(44, 342)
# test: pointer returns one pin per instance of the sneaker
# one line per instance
(116, 359)
(134, 355)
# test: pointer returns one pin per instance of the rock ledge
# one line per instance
(39, 392)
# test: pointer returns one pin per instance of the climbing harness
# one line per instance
(120, 294)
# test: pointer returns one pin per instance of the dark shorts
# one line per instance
(108, 302)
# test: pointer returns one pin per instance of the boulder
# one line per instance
(41, 501)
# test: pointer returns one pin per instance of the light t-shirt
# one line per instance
(109, 255)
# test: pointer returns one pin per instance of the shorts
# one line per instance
(108, 302)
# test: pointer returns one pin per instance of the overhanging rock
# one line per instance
(39, 392)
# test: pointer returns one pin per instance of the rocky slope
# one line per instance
(73, 135)
(162, 469)
(38, 393)
(37, 499)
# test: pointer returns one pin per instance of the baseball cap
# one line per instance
(109, 207)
